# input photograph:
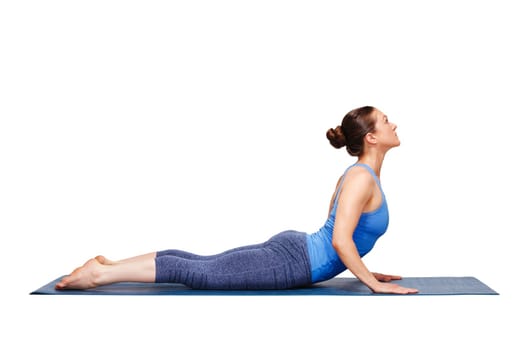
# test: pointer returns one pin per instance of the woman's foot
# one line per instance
(84, 277)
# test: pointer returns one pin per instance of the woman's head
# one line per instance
(361, 126)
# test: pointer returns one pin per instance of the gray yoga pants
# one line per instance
(281, 262)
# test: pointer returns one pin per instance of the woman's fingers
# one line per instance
(386, 278)
(391, 288)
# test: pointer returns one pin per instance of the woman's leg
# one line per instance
(101, 270)
(93, 273)
(282, 262)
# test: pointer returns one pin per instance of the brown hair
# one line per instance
(351, 133)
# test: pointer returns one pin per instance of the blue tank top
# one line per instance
(324, 261)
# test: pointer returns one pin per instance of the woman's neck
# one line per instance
(374, 160)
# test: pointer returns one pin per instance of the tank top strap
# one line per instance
(367, 167)
(371, 171)
(336, 200)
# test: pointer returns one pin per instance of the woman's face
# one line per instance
(385, 132)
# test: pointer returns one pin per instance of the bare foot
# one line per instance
(83, 277)
(104, 261)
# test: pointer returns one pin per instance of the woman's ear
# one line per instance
(371, 138)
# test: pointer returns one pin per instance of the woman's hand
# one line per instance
(385, 278)
(391, 288)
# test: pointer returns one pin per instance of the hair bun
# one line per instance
(336, 137)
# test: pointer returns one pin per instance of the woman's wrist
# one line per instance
(371, 282)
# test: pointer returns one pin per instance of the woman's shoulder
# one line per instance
(359, 173)
(358, 177)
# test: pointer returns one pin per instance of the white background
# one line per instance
(133, 126)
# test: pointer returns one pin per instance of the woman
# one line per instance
(358, 216)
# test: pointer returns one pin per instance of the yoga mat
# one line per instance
(335, 286)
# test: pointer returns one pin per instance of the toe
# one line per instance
(62, 283)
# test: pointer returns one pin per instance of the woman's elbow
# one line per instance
(340, 244)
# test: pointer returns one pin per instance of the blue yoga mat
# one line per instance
(335, 286)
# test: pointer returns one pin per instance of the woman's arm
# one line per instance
(356, 191)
